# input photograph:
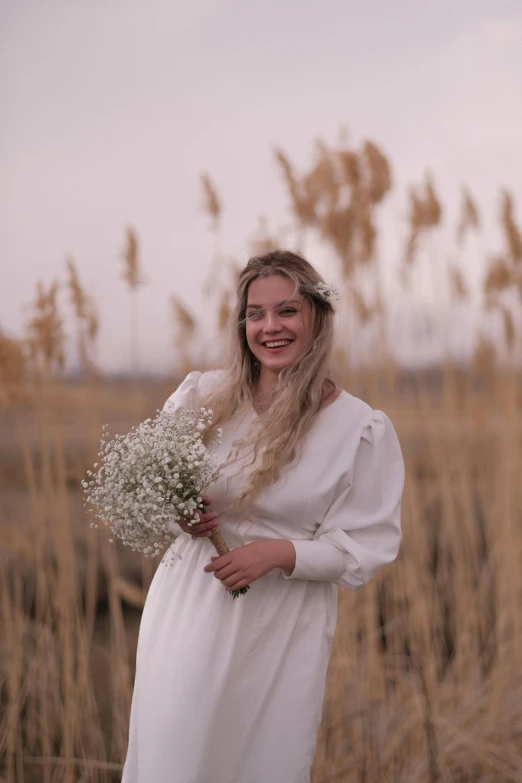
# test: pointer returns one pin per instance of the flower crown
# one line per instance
(326, 291)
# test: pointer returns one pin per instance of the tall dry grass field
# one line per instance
(425, 681)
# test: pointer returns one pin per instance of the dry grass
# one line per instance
(133, 275)
(469, 216)
(186, 327)
(45, 332)
(337, 197)
(211, 203)
(425, 681)
(86, 317)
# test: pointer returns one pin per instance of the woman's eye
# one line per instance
(255, 315)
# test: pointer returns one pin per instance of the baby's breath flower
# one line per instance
(326, 291)
(151, 477)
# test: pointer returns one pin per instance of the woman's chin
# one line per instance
(277, 363)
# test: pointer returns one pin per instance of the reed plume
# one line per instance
(498, 276)
(503, 277)
(458, 286)
(425, 213)
(131, 271)
(211, 202)
(509, 328)
(186, 326)
(224, 311)
(484, 357)
(86, 317)
(511, 231)
(301, 194)
(363, 311)
(378, 172)
(213, 207)
(134, 278)
(337, 197)
(13, 369)
(469, 219)
(45, 332)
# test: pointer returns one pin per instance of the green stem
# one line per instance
(241, 591)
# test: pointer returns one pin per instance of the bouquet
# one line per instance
(151, 476)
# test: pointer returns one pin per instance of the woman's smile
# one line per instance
(276, 346)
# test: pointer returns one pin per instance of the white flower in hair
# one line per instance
(326, 291)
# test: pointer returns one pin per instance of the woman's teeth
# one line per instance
(277, 344)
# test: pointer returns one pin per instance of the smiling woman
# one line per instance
(309, 498)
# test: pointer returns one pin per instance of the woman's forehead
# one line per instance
(272, 290)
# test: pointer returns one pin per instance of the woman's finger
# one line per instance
(208, 521)
(236, 585)
(204, 519)
(201, 528)
(207, 516)
(227, 572)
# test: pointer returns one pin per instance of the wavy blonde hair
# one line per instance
(279, 432)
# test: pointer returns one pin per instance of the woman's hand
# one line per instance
(244, 565)
(206, 524)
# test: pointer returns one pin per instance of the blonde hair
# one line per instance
(279, 432)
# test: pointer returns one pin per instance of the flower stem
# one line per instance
(219, 543)
(241, 591)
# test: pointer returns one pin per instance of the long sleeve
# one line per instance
(183, 399)
(361, 531)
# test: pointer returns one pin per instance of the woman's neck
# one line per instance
(262, 395)
(267, 381)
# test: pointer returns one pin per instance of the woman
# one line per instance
(231, 691)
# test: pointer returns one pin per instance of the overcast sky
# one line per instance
(112, 108)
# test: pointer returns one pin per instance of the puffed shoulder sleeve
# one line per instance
(361, 531)
(184, 398)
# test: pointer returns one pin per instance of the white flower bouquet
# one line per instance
(152, 476)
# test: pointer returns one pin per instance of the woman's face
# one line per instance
(278, 322)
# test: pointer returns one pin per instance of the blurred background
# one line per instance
(148, 150)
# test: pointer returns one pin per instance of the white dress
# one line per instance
(231, 691)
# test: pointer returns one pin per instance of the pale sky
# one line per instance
(111, 109)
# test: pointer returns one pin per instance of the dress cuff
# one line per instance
(317, 560)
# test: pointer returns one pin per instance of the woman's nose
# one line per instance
(272, 323)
